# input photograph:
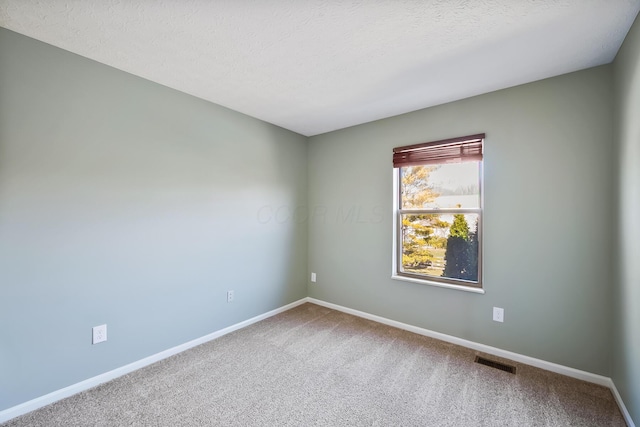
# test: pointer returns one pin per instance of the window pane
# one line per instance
(440, 245)
(452, 185)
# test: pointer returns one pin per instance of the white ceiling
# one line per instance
(313, 66)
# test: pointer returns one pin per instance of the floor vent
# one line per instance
(497, 365)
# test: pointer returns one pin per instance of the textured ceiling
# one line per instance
(313, 66)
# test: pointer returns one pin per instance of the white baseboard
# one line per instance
(52, 397)
(538, 363)
(620, 402)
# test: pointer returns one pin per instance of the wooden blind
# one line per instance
(452, 150)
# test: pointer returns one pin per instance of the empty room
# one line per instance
(337, 213)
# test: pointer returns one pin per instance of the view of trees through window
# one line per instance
(440, 215)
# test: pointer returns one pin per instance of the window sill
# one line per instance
(438, 284)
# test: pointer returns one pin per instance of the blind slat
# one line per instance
(453, 150)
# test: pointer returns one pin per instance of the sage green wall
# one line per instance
(626, 362)
(127, 203)
(548, 209)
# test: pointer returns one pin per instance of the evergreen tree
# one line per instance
(459, 227)
(471, 272)
(457, 256)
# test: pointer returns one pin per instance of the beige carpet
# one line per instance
(312, 366)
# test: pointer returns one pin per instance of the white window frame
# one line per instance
(449, 283)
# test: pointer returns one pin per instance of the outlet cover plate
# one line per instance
(498, 314)
(99, 334)
(230, 296)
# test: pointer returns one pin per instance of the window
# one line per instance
(438, 204)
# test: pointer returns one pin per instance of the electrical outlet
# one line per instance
(313, 277)
(498, 314)
(99, 334)
(230, 296)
